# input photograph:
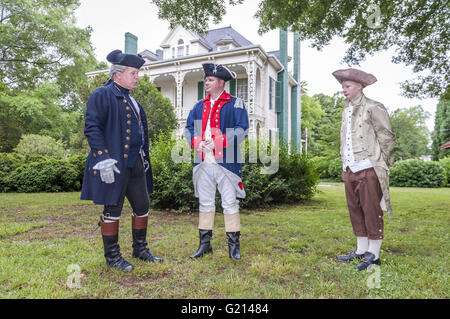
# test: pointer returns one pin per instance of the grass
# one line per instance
(288, 251)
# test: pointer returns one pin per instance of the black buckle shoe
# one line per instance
(205, 244)
(367, 261)
(351, 255)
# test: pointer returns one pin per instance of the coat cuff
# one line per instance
(101, 154)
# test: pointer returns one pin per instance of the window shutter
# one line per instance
(233, 87)
(200, 89)
(270, 92)
(278, 96)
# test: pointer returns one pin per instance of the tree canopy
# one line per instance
(40, 41)
(441, 134)
(159, 109)
(411, 134)
(417, 29)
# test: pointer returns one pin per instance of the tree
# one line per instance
(418, 29)
(311, 115)
(411, 133)
(326, 134)
(78, 141)
(2, 86)
(34, 111)
(441, 134)
(159, 110)
(193, 14)
(39, 41)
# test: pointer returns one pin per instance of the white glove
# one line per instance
(107, 169)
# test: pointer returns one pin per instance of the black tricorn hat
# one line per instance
(219, 71)
(117, 57)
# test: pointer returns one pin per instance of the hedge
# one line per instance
(417, 173)
(329, 168)
(445, 164)
(294, 181)
(31, 174)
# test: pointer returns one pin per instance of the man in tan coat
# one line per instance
(366, 144)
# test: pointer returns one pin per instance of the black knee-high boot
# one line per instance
(205, 243)
(139, 230)
(234, 245)
(110, 235)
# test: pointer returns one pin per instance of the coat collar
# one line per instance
(118, 90)
(360, 100)
(224, 96)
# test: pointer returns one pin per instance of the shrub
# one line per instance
(330, 168)
(52, 175)
(173, 187)
(35, 173)
(294, 181)
(416, 173)
(31, 144)
(11, 161)
(445, 164)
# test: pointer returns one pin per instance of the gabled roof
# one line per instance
(146, 54)
(224, 34)
(212, 37)
(277, 55)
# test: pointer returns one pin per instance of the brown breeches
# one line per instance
(363, 193)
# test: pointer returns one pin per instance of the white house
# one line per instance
(271, 94)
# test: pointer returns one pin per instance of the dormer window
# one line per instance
(180, 41)
(180, 51)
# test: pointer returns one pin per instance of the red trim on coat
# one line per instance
(220, 140)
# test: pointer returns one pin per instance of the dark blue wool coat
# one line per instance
(109, 130)
(229, 126)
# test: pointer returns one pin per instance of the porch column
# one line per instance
(179, 78)
(251, 84)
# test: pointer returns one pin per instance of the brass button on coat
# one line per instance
(125, 155)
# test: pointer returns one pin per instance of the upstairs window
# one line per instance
(180, 51)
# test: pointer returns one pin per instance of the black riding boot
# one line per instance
(205, 244)
(234, 245)
(139, 230)
(110, 234)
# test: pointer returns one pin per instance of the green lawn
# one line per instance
(288, 251)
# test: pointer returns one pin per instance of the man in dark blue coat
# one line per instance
(118, 165)
(215, 127)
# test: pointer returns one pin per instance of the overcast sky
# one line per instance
(110, 19)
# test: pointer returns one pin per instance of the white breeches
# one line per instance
(211, 176)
